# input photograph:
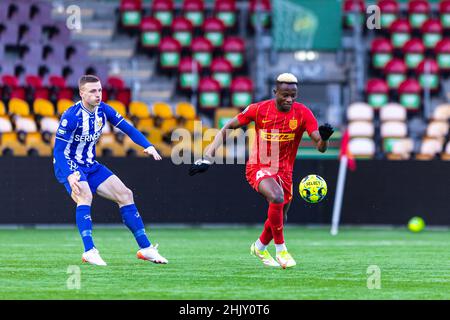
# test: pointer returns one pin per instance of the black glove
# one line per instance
(199, 166)
(325, 130)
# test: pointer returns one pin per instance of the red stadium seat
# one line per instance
(214, 29)
(263, 8)
(35, 87)
(169, 53)
(395, 71)
(431, 33)
(194, 11)
(221, 70)
(225, 10)
(57, 81)
(202, 51)
(182, 31)
(410, 94)
(400, 31)
(234, 51)
(130, 13)
(241, 91)
(389, 12)
(442, 52)
(12, 88)
(209, 93)
(115, 82)
(163, 11)
(188, 72)
(418, 12)
(151, 29)
(428, 73)
(377, 92)
(381, 50)
(444, 13)
(414, 52)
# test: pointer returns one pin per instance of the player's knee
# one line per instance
(85, 197)
(276, 197)
(125, 196)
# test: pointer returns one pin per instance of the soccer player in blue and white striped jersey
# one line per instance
(75, 167)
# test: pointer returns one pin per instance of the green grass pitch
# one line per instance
(214, 263)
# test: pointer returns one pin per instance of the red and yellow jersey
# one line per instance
(278, 134)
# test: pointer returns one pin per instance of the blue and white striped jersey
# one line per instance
(81, 129)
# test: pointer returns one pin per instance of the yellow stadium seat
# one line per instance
(2, 109)
(63, 104)
(168, 125)
(139, 109)
(185, 110)
(34, 141)
(162, 110)
(145, 125)
(118, 106)
(108, 142)
(155, 135)
(9, 141)
(43, 107)
(19, 107)
(129, 144)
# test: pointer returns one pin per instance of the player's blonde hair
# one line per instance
(287, 78)
(87, 78)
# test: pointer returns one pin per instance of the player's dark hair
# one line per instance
(279, 83)
(87, 78)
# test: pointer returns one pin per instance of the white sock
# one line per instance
(260, 246)
(280, 247)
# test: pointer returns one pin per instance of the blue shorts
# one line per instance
(94, 175)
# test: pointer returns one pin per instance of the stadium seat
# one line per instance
(241, 92)
(36, 88)
(359, 111)
(234, 51)
(429, 148)
(431, 33)
(11, 144)
(377, 93)
(57, 81)
(186, 114)
(139, 110)
(418, 12)
(393, 129)
(389, 12)
(164, 117)
(49, 124)
(130, 13)
(381, 50)
(442, 53)
(193, 10)
(441, 112)
(410, 95)
(225, 10)
(35, 145)
(62, 105)
(5, 124)
(414, 52)
(18, 107)
(169, 53)
(132, 148)
(151, 29)
(118, 106)
(202, 49)
(395, 71)
(444, 14)
(361, 129)
(437, 129)
(223, 115)
(182, 31)
(25, 124)
(188, 73)
(398, 148)
(260, 11)
(221, 70)
(209, 93)
(393, 112)
(163, 11)
(428, 74)
(400, 31)
(446, 153)
(362, 148)
(43, 108)
(108, 145)
(214, 30)
(145, 125)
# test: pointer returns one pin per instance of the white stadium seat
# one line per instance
(5, 125)
(437, 129)
(394, 129)
(25, 124)
(359, 111)
(393, 112)
(49, 124)
(362, 147)
(361, 129)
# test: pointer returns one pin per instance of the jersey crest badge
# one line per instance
(293, 124)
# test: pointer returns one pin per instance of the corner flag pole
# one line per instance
(339, 195)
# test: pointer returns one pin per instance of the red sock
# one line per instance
(276, 221)
(266, 235)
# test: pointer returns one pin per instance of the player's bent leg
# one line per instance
(114, 189)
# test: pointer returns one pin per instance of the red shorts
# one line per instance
(255, 175)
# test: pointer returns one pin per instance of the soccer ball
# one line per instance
(313, 188)
(416, 224)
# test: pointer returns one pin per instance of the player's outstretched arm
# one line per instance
(201, 165)
(321, 136)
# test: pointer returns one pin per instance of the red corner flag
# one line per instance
(351, 163)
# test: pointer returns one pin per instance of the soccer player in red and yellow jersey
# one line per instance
(279, 125)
